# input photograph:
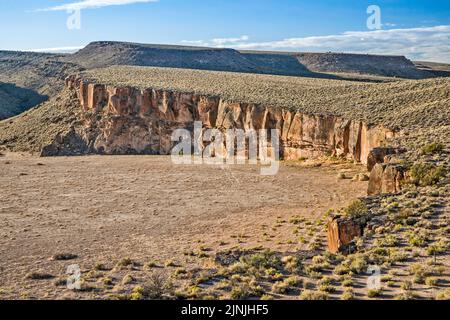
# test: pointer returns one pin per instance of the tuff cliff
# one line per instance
(124, 120)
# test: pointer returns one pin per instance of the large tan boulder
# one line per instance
(386, 178)
(341, 232)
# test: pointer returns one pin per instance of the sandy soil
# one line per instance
(104, 209)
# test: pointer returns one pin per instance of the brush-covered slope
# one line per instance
(29, 78)
(37, 127)
(388, 66)
(44, 73)
(102, 54)
(14, 100)
(397, 104)
(107, 53)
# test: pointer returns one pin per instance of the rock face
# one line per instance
(123, 120)
(386, 178)
(341, 232)
(378, 155)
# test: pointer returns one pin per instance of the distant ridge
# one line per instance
(40, 75)
(106, 53)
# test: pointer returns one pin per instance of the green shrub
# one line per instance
(313, 295)
(107, 281)
(292, 264)
(356, 209)
(326, 281)
(374, 293)
(426, 174)
(137, 293)
(263, 260)
(347, 283)
(432, 148)
(327, 288)
(443, 295)
(439, 247)
(418, 239)
(150, 265)
(317, 267)
(406, 286)
(357, 263)
(388, 241)
(246, 291)
(125, 262)
(390, 284)
(127, 279)
(156, 286)
(348, 294)
(341, 270)
(431, 281)
(287, 285)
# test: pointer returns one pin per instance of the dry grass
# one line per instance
(36, 128)
(399, 104)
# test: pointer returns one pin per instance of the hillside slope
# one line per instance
(14, 100)
(397, 104)
(28, 78)
(388, 66)
(107, 53)
(41, 75)
(41, 72)
(37, 127)
(104, 54)
(401, 105)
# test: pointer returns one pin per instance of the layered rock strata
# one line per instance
(124, 120)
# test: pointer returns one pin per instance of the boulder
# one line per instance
(386, 178)
(377, 155)
(341, 233)
(375, 179)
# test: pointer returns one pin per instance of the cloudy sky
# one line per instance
(416, 28)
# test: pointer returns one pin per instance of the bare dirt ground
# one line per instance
(104, 209)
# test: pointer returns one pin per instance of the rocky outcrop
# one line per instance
(341, 233)
(386, 178)
(69, 143)
(121, 120)
(379, 155)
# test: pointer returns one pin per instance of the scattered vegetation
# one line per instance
(426, 174)
(356, 209)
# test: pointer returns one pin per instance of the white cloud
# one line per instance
(57, 49)
(93, 4)
(195, 42)
(228, 41)
(218, 42)
(425, 43)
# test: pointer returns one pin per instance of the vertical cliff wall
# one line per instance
(123, 120)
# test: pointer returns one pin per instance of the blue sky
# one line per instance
(417, 28)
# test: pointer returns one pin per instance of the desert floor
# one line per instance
(106, 208)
